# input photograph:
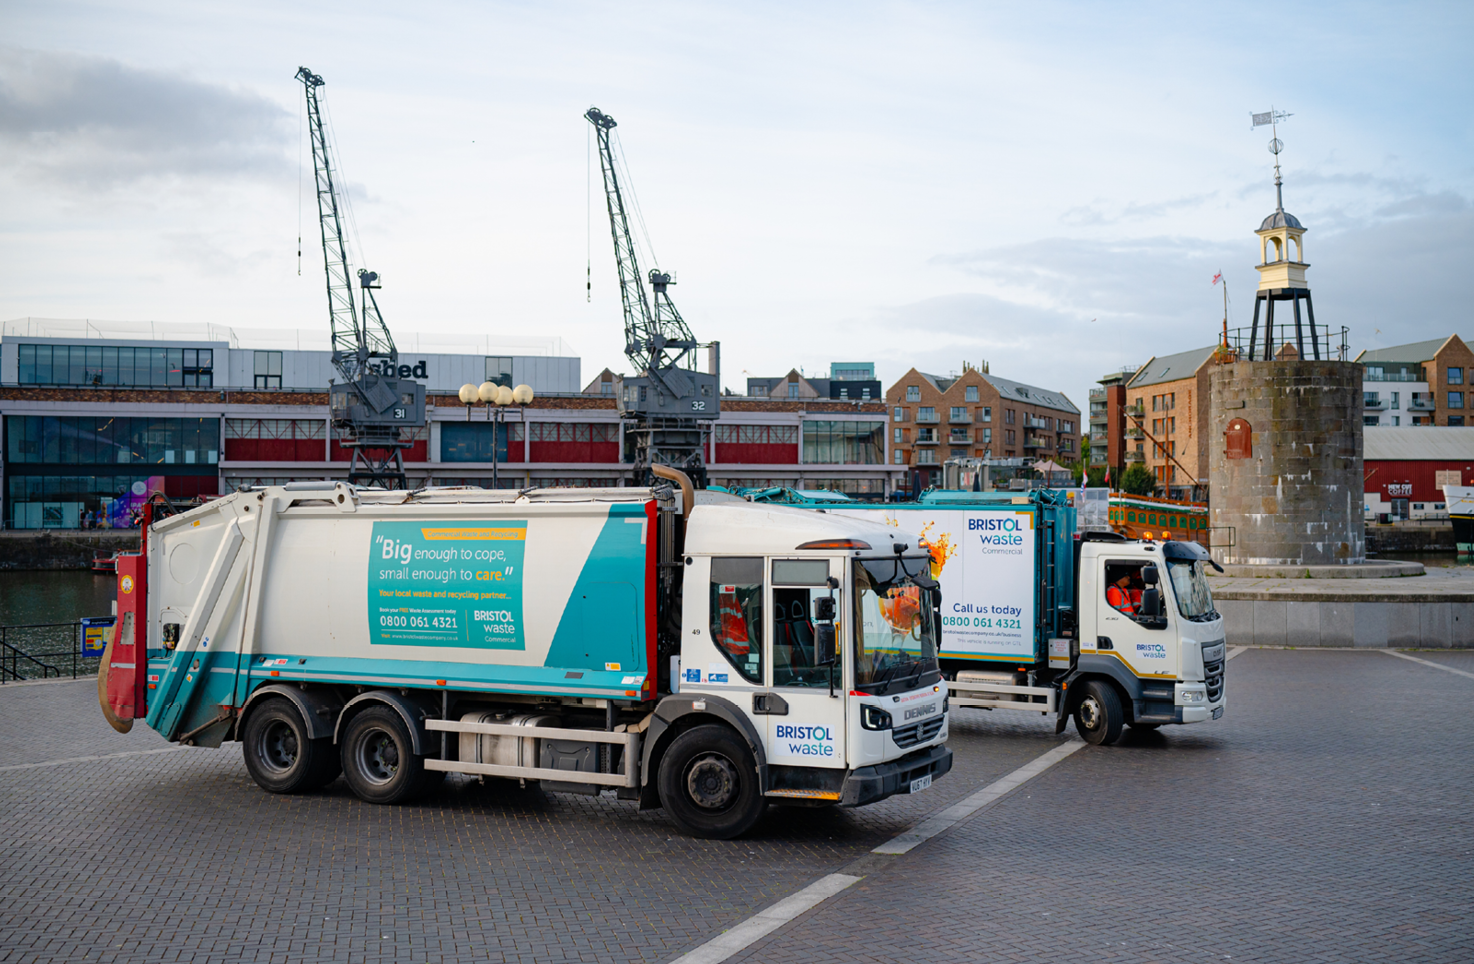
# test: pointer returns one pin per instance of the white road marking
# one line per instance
(89, 759)
(1234, 652)
(766, 921)
(987, 796)
(1426, 662)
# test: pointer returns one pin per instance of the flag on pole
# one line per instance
(1107, 482)
(1265, 118)
(1217, 277)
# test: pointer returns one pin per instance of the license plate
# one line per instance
(920, 783)
(1217, 713)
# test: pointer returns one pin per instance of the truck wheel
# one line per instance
(1099, 717)
(708, 783)
(379, 760)
(279, 755)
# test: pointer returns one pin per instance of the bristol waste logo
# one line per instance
(804, 741)
(1151, 650)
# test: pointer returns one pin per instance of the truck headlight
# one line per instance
(874, 718)
(1193, 696)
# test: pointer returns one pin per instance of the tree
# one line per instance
(1138, 480)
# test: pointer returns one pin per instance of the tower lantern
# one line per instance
(1281, 265)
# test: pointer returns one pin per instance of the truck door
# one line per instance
(1147, 648)
(805, 725)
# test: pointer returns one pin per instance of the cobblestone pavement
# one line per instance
(178, 856)
(1325, 818)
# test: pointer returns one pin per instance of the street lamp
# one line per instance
(498, 397)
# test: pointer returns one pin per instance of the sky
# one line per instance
(1049, 187)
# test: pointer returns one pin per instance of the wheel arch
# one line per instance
(1106, 668)
(410, 710)
(677, 713)
(318, 708)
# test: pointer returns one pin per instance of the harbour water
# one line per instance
(53, 596)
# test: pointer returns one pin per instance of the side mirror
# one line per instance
(824, 644)
(1151, 602)
(1149, 575)
(824, 609)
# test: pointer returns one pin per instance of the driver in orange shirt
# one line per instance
(1124, 594)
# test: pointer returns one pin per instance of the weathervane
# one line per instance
(1272, 117)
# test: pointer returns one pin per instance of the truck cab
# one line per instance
(1151, 647)
(763, 588)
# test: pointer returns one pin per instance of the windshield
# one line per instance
(895, 624)
(1190, 585)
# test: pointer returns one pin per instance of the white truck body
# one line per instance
(401, 635)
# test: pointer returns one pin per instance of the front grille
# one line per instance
(1213, 676)
(918, 732)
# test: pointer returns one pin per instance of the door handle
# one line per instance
(1104, 642)
(769, 704)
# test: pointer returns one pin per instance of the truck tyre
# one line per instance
(279, 755)
(1098, 718)
(708, 783)
(379, 760)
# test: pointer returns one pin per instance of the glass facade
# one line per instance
(82, 472)
(108, 365)
(476, 441)
(104, 440)
(844, 443)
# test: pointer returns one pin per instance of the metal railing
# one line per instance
(44, 651)
(1306, 340)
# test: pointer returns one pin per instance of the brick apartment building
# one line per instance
(1167, 421)
(976, 415)
(1425, 383)
(1107, 436)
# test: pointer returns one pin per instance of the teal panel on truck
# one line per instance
(451, 583)
(605, 621)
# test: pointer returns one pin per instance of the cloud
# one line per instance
(96, 123)
(1090, 216)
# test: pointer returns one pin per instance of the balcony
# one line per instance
(1376, 404)
(1135, 456)
(1099, 418)
(926, 438)
(960, 417)
(1138, 409)
(1376, 376)
(1421, 403)
(1097, 394)
(959, 438)
(1135, 431)
(1036, 443)
(1099, 438)
(1032, 422)
(931, 418)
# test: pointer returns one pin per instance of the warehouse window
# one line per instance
(1456, 376)
(268, 369)
(499, 370)
(971, 393)
(1455, 399)
(846, 443)
(109, 365)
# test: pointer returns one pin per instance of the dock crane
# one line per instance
(668, 405)
(374, 402)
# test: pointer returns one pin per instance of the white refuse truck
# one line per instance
(1041, 618)
(709, 657)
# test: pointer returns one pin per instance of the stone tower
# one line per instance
(1285, 476)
